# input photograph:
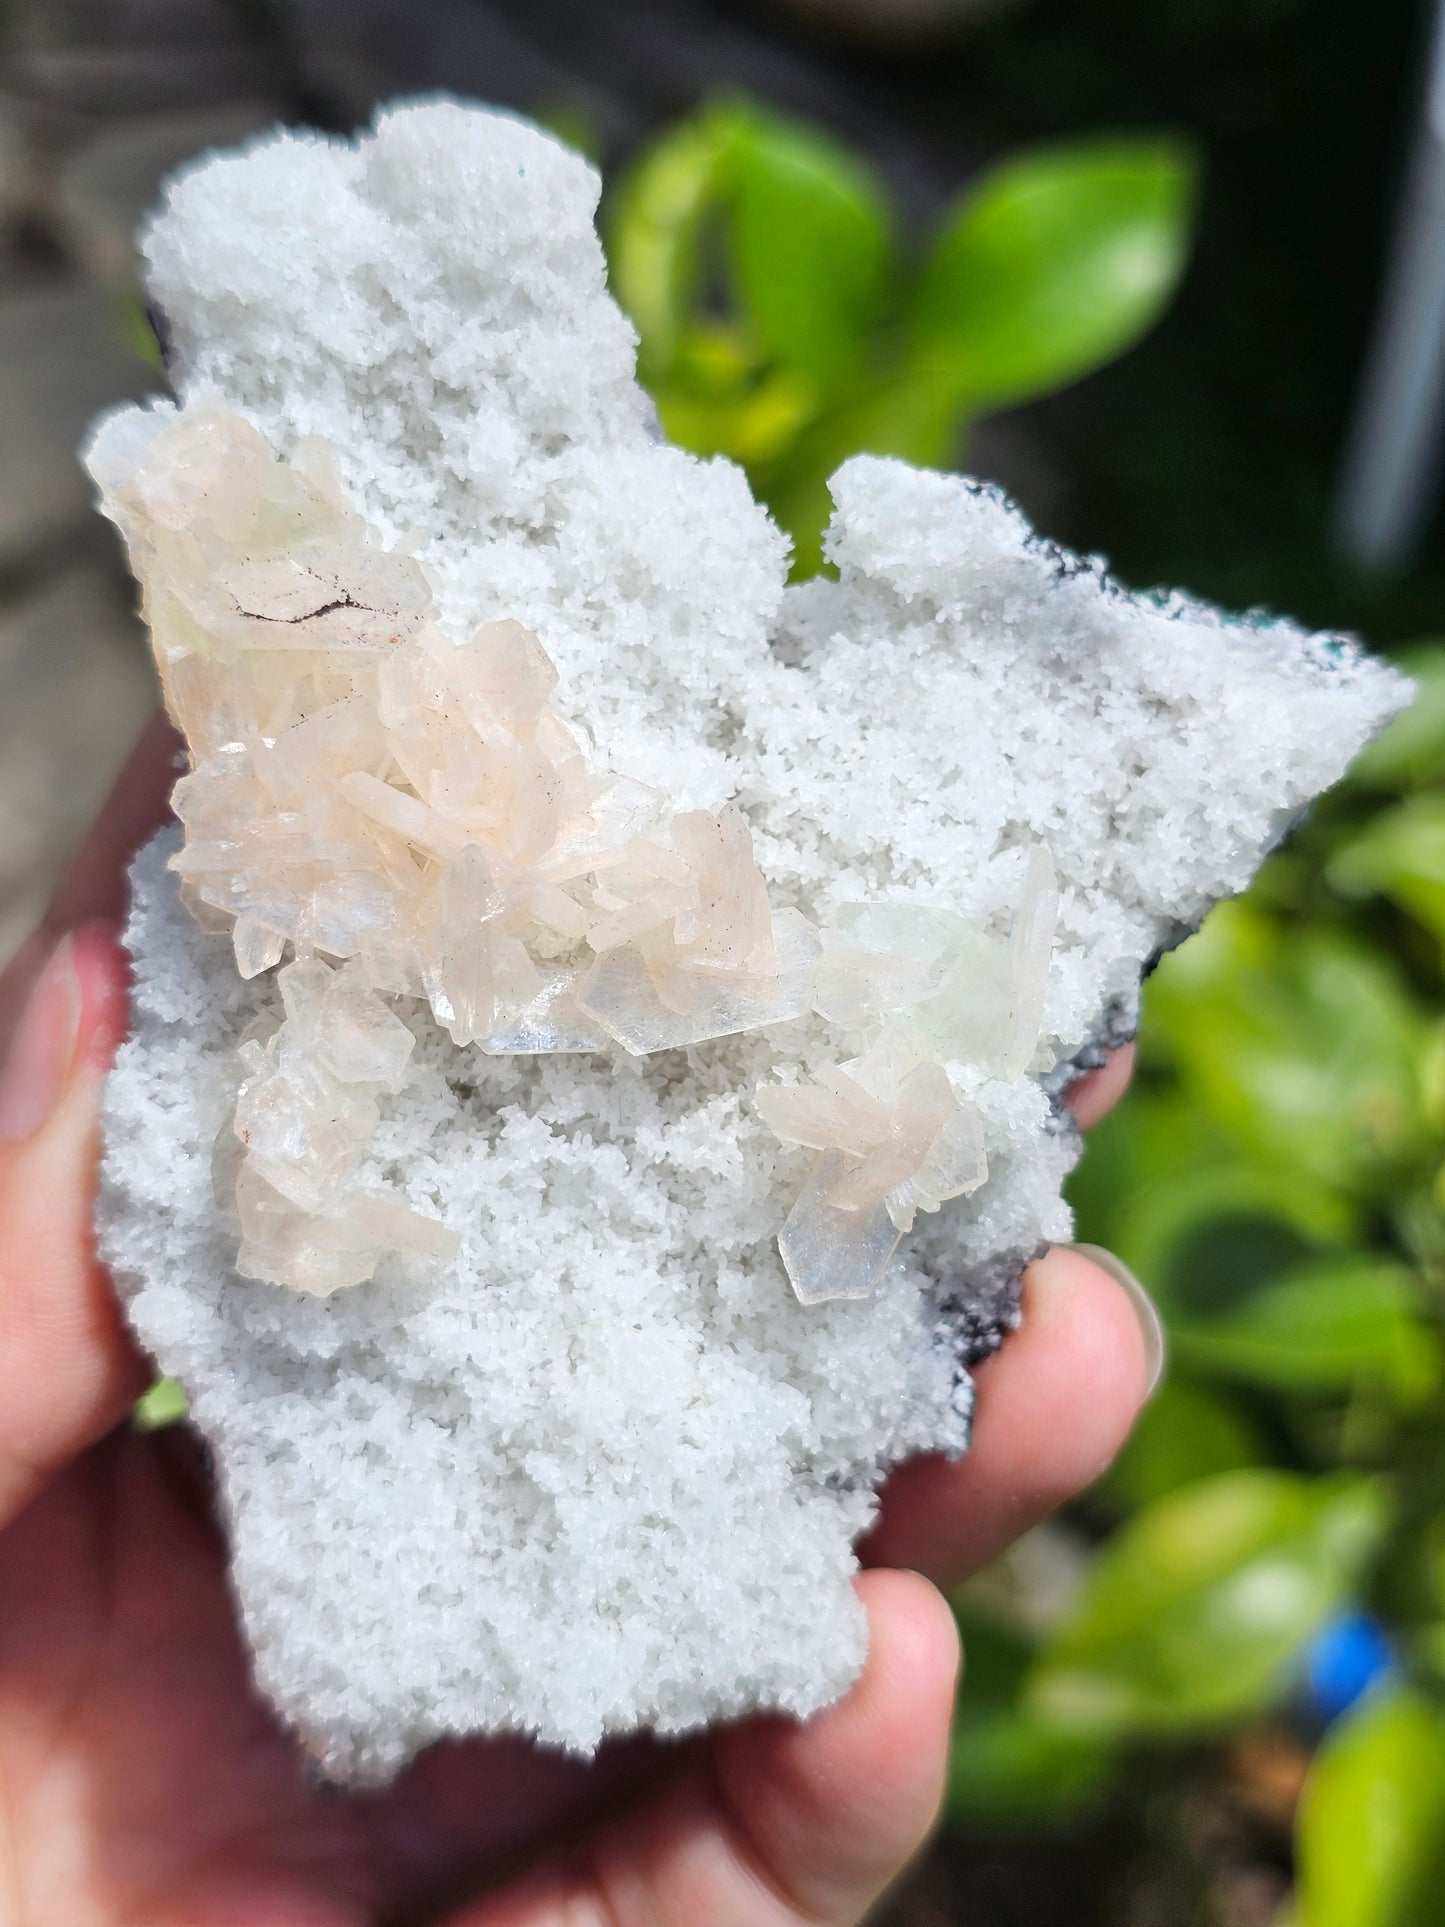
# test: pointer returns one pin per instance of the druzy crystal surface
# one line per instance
(600, 1021)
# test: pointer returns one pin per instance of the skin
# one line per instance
(144, 1784)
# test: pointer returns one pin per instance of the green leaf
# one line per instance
(654, 230)
(1185, 1433)
(136, 330)
(1370, 1843)
(1014, 1768)
(1056, 262)
(1400, 853)
(907, 414)
(1195, 1608)
(1320, 1330)
(1170, 1191)
(1208, 1239)
(805, 225)
(1206, 1229)
(1006, 1765)
(715, 403)
(1412, 750)
(813, 245)
(164, 1404)
(1301, 1042)
(997, 1655)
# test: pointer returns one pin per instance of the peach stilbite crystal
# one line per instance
(362, 785)
(367, 789)
(930, 989)
(305, 1113)
(364, 788)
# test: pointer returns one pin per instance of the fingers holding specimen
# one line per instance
(1054, 1406)
(833, 1809)
(67, 1367)
(94, 885)
(789, 1822)
(1092, 1096)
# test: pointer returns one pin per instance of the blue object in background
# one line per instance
(1348, 1656)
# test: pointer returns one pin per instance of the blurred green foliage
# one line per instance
(1192, 1610)
(1371, 1837)
(1278, 1174)
(783, 321)
(1278, 1177)
(164, 1404)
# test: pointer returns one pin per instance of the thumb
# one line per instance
(787, 1823)
(68, 1370)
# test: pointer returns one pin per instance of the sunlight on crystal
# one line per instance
(653, 994)
(895, 1156)
(829, 1253)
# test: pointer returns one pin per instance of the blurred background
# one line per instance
(1173, 272)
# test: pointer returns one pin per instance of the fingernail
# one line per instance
(1151, 1325)
(42, 1049)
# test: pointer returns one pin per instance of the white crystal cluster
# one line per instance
(598, 1469)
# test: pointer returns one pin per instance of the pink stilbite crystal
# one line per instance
(926, 989)
(366, 789)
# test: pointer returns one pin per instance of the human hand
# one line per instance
(144, 1784)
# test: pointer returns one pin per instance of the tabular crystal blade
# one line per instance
(956, 1162)
(361, 1041)
(405, 816)
(310, 1252)
(618, 812)
(841, 1118)
(302, 1131)
(886, 956)
(830, 1253)
(393, 1224)
(511, 673)
(459, 975)
(728, 925)
(257, 947)
(549, 1023)
(620, 994)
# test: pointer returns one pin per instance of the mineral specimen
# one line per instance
(589, 935)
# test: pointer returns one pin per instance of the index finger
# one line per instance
(94, 885)
(1054, 1406)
